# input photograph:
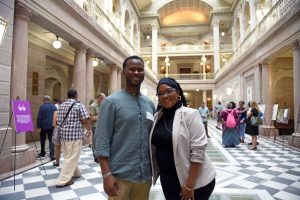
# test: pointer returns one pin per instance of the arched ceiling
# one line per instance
(182, 12)
(152, 6)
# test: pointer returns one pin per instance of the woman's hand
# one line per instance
(111, 186)
(187, 193)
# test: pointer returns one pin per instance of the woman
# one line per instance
(250, 129)
(57, 149)
(177, 147)
(230, 134)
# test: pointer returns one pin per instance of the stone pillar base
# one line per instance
(296, 142)
(23, 159)
(268, 131)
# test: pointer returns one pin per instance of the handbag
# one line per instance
(256, 121)
(56, 131)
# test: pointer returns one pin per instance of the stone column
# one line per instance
(267, 91)
(154, 48)
(242, 27)
(233, 37)
(90, 94)
(252, 14)
(204, 73)
(24, 155)
(216, 41)
(131, 33)
(204, 97)
(79, 72)
(213, 100)
(296, 76)
(113, 79)
(119, 86)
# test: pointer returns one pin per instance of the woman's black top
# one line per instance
(162, 140)
(252, 130)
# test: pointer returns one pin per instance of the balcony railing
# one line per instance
(198, 76)
(197, 49)
(94, 10)
(277, 12)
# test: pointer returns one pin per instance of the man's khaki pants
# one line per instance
(71, 152)
(132, 191)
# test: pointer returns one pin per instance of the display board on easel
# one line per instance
(274, 112)
(283, 116)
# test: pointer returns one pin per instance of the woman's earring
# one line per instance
(179, 98)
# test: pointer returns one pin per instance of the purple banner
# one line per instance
(22, 116)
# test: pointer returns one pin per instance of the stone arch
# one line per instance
(246, 16)
(283, 92)
(135, 35)
(127, 23)
(116, 7)
(53, 88)
(237, 28)
(56, 76)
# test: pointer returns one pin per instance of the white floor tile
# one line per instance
(70, 194)
(80, 184)
(274, 184)
(286, 196)
(36, 192)
(33, 179)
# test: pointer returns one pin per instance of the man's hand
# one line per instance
(111, 186)
(38, 130)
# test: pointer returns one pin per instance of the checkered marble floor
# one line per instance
(268, 173)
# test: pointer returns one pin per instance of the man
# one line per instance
(122, 134)
(72, 135)
(204, 112)
(218, 109)
(44, 125)
(94, 112)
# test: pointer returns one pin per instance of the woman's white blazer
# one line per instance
(189, 144)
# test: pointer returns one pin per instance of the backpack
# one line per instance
(230, 121)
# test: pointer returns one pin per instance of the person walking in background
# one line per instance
(250, 129)
(178, 142)
(56, 102)
(218, 109)
(57, 148)
(122, 137)
(72, 135)
(94, 112)
(242, 118)
(204, 112)
(230, 129)
(44, 125)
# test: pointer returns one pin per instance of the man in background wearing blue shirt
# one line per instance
(204, 112)
(44, 125)
(122, 137)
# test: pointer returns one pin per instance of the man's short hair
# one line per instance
(46, 98)
(72, 93)
(100, 95)
(131, 58)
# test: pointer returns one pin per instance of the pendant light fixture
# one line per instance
(95, 62)
(56, 43)
(223, 33)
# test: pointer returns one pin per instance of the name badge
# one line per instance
(149, 116)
